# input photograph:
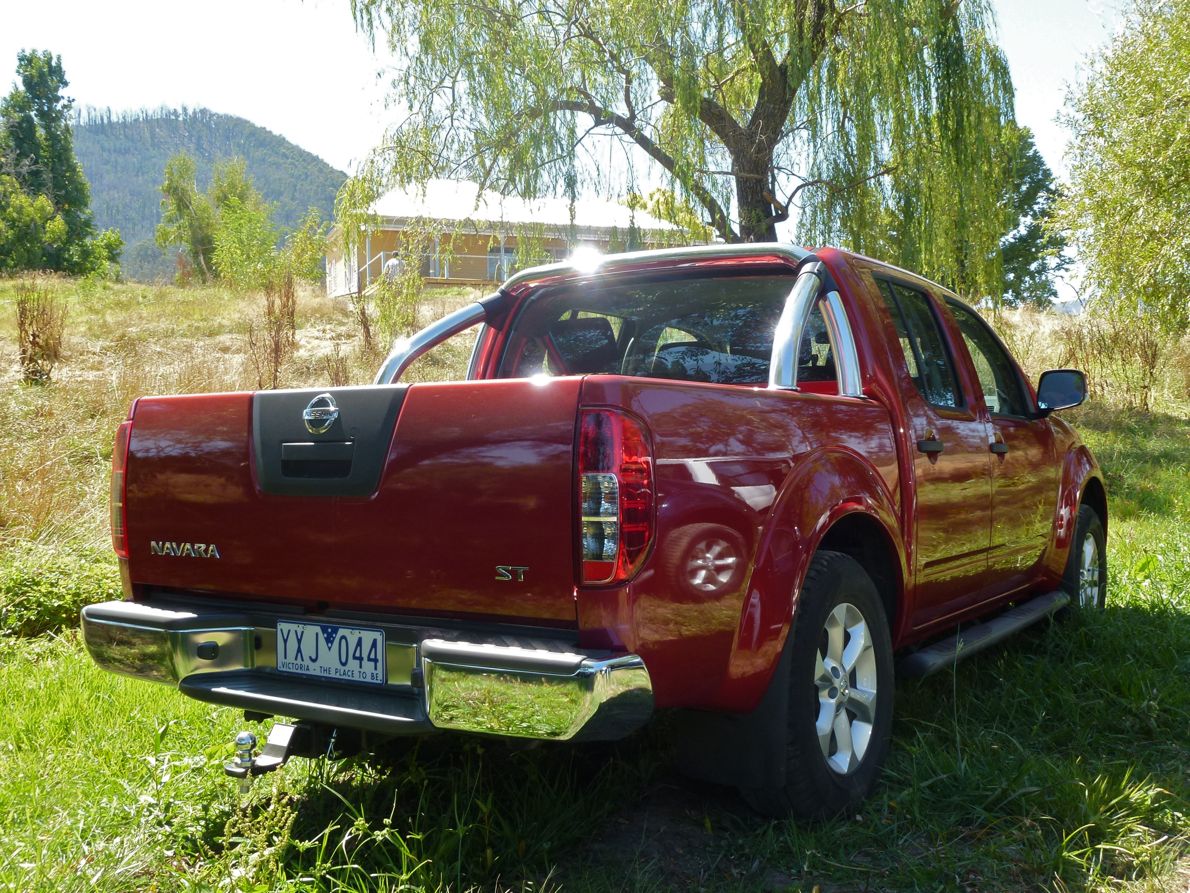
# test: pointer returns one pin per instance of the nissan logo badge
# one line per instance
(320, 413)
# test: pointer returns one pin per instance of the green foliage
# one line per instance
(45, 215)
(123, 156)
(305, 247)
(42, 588)
(870, 115)
(244, 255)
(398, 296)
(665, 205)
(188, 217)
(228, 231)
(1032, 252)
(28, 227)
(1129, 195)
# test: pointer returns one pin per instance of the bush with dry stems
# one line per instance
(41, 325)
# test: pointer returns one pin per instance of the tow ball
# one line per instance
(285, 740)
(277, 751)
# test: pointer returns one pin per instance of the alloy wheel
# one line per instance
(846, 682)
(1088, 573)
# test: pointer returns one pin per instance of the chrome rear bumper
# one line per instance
(539, 689)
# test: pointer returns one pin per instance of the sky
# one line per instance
(300, 69)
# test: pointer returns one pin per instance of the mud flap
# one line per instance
(739, 750)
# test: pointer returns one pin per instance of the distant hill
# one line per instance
(124, 156)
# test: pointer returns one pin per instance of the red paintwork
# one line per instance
(481, 474)
(463, 454)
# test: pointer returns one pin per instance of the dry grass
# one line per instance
(1129, 363)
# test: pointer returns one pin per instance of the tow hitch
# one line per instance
(285, 740)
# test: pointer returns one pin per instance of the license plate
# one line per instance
(330, 651)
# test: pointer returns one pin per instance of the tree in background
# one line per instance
(27, 225)
(245, 244)
(187, 215)
(39, 171)
(862, 112)
(228, 231)
(1129, 197)
(1032, 252)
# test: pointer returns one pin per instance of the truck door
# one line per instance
(951, 460)
(1024, 472)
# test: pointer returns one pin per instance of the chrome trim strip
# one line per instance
(405, 350)
(846, 357)
(787, 337)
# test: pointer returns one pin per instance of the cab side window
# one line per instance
(1002, 389)
(922, 346)
(816, 357)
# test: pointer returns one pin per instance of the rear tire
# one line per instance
(1085, 578)
(839, 716)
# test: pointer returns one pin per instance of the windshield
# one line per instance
(712, 329)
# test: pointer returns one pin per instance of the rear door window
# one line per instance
(922, 346)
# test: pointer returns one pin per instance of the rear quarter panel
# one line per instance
(775, 468)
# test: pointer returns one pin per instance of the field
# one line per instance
(1060, 761)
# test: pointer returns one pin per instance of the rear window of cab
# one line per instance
(715, 329)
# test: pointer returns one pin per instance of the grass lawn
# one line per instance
(1060, 761)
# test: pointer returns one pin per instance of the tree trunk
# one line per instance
(754, 205)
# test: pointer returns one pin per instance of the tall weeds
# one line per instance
(41, 324)
(272, 340)
(1129, 362)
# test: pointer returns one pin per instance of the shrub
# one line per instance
(41, 323)
(1129, 360)
(43, 588)
(335, 368)
(363, 317)
(271, 342)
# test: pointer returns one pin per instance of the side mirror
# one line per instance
(1060, 389)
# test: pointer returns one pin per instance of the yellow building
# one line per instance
(459, 235)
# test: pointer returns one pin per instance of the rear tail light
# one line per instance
(119, 509)
(615, 477)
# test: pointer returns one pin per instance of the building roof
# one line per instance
(456, 200)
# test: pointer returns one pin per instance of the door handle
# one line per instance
(999, 447)
(930, 444)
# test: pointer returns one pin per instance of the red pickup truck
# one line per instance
(733, 482)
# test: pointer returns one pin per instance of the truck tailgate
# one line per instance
(412, 501)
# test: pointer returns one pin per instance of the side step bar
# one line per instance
(981, 636)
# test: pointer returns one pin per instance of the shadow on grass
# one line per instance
(1058, 759)
(448, 812)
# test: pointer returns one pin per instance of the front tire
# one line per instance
(841, 681)
(1085, 578)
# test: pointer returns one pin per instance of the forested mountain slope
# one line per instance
(124, 156)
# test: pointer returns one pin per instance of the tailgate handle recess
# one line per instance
(328, 459)
(333, 451)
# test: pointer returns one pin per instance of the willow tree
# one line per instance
(874, 121)
(1128, 204)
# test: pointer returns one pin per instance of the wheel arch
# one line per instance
(835, 499)
(863, 538)
(1095, 496)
